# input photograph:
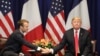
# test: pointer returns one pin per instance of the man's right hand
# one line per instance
(45, 50)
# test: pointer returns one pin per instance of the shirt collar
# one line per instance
(22, 32)
(77, 30)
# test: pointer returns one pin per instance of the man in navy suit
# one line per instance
(84, 41)
(16, 40)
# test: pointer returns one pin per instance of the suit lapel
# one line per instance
(72, 35)
(81, 34)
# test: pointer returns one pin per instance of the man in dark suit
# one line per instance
(16, 40)
(84, 42)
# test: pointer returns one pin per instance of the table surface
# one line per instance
(37, 53)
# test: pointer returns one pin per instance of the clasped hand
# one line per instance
(45, 50)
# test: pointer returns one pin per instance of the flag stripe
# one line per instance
(57, 19)
(61, 21)
(49, 36)
(53, 21)
(2, 32)
(5, 22)
(9, 22)
(51, 33)
(57, 29)
(62, 15)
(4, 28)
(54, 30)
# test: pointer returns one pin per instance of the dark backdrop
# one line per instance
(44, 5)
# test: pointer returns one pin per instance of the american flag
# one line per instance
(6, 18)
(55, 25)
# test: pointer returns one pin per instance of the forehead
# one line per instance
(76, 19)
(25, 23)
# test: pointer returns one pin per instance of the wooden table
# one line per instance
(37, 53)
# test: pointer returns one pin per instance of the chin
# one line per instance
(76, 28)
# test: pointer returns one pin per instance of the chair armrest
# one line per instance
(2, 42)
(93, 45)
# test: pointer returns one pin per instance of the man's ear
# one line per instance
(21, 27)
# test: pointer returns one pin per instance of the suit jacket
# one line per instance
(15, 42)
(68, 41)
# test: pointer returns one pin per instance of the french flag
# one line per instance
(31, 13)
(79, 8)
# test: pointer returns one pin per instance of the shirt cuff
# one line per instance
(39, 49)
(52, 51)
(82, 55)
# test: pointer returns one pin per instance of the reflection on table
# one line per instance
(37, 53)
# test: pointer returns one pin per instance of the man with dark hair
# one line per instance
(16, 40)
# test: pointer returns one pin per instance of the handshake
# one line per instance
(46, 51)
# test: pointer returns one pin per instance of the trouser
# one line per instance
(9, 53)
(69, 54)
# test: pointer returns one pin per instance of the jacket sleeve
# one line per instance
(61, 44)
(21, 40)
(88, 47)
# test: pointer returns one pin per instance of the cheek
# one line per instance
(79, 24)
(26, 28)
